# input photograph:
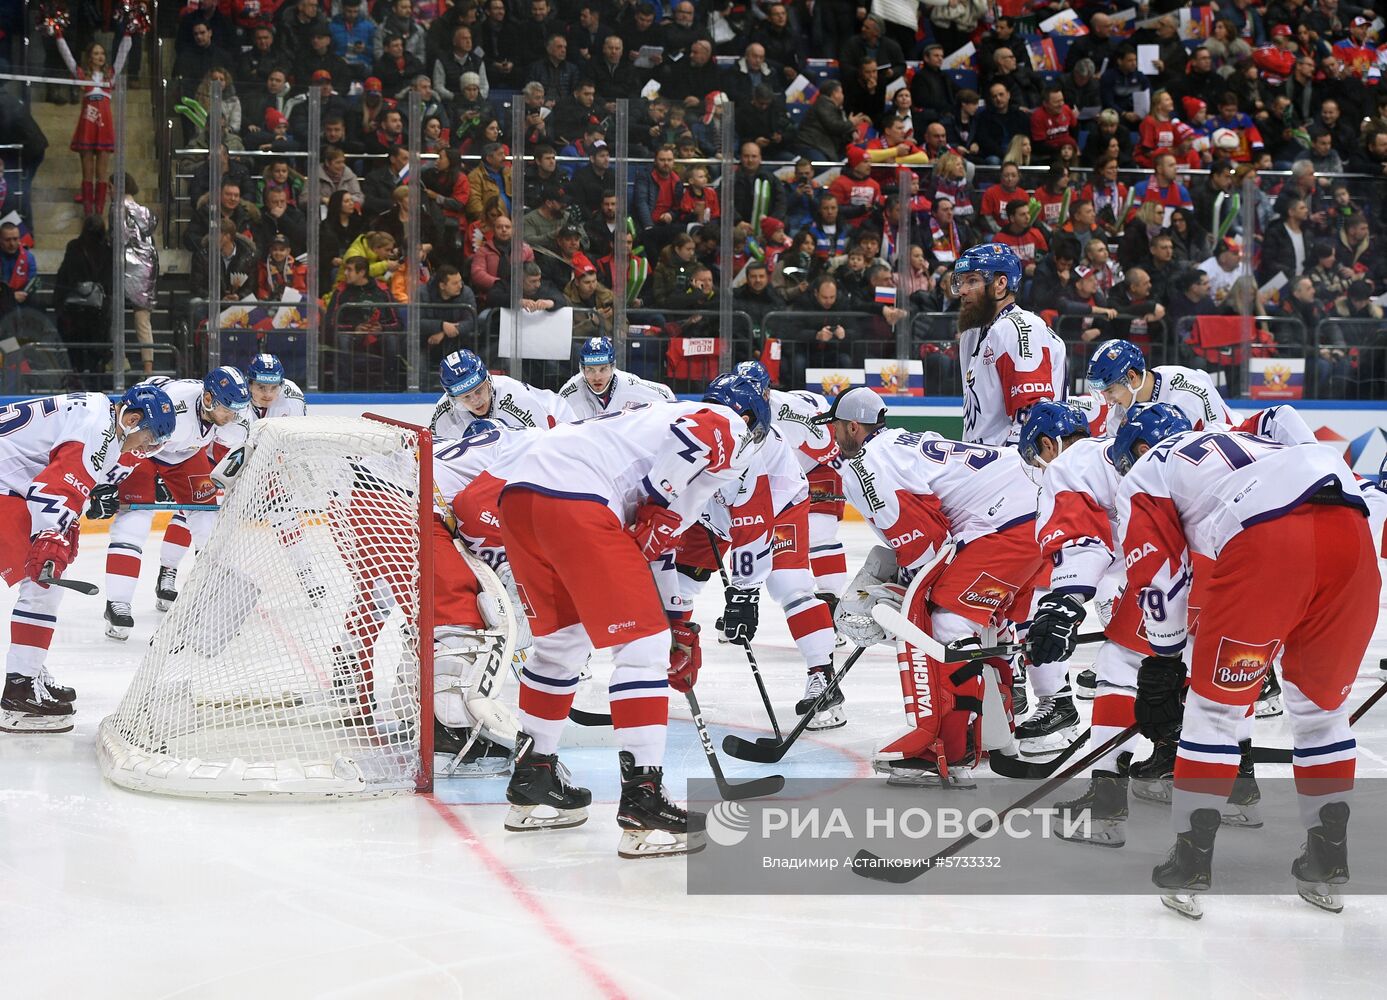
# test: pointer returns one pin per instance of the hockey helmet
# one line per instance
(1146, 423)
(755, 371)
(227, 387)
(597, 351)
(743, 396)
(156, 409)
(461, 372)
(987, 259)
(1112, 361)
(266, 369)
(1052, 420)
(481, 426)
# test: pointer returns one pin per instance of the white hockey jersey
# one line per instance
(458, 464)
(1077, 520)
(1193, 493)
(513, 403)
(52, 452)
(917, 490)
(792, 414)
(625, 388)
(744, 512)
(1189, 390)
(1012, 364)
(673, 454)
(289, 403)
(191, 432)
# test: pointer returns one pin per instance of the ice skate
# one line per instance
(920, 772)
(469, 753)
(1152, 778)
(1105, 802)
(27, 706)
(1188, 869)
(652, 826)
(166, 588)
(1086, 685)
(1053, 726)
(540, 794)
(1323, 862)
(1020, 701)
(59, 691)
(1241, 808)
(831, 714)
(1269, 699)
(118, 620)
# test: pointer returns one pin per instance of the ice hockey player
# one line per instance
(793, 415)
(764, 518)
(57, 455)
(184, 466)
(471, 393)
(1011, 359)
(271, 395)
(627, 484)
(1118, 372)
(1255, 507)
(919, 491)
(600, 385)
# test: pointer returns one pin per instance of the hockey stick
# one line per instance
(81, 586)
(588, 718)
(768, 749)
(170, 506)
(869, 866)
(745, 643)
(755, 788)
(1278, 755)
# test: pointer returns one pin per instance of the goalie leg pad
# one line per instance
(468, 676)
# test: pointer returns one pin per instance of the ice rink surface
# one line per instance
(106, 893)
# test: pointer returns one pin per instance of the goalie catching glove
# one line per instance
(685, 656)
(874, 582)
(1055, 628)
(741, 614)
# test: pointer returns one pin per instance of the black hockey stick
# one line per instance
(1278, 755)
(1014, 767)
(588, 718)
(870, 866)
(745, 643)
(81, 586)
(755, 788)
(768, 750)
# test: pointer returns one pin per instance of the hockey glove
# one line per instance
(685, 656)
(741, 615)
(48, 547)
(103, 502)
(1054, 628)
(74, 539)
(161, 491)
(656, 530)
(1159, 707)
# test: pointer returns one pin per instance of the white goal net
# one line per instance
(291, 662)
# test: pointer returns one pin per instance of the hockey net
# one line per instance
(291, 662)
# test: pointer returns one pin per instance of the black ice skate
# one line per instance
(1189, 867)
(1086, 685)
(118, 620)
(539, 792)
(469, 753)
(652, 826)
(1105, 802)
(1323, 861)
(1152, 778)
(1269, 699)
(166, 588)
(1020, 702)
(830, 714)
(1242, 806)
(27, 706)
(1053, 727)
(59, 691)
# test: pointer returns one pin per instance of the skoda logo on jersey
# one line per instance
(1239, 667)
(903, 540)
(728, 824)
(1137, 556)
(748, 521)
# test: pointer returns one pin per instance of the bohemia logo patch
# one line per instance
(524, 600)
(785, 538)
(1239, 666)
(987, 592)
(203, 489)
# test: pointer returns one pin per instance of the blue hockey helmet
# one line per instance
(742, 395)
(988, 259)
(228, 388)
(155, 408)
(1052, 420)
(1146, 423)
(461, 372)
(481, 426)
(755, 371)
(1112, 361)
(265, 369)
(597, 351)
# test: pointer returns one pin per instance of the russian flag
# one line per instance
(885, 296)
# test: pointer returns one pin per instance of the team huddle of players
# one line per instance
(1155, 504)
